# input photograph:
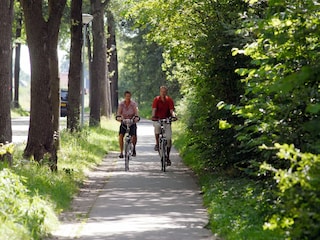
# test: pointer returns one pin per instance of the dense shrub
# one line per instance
(281, 99)
(22, 216)
(297, 208)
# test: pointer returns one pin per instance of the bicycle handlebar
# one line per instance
(164, 120)
(132, 120)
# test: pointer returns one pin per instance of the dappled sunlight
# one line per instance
(137, 223)
(147, 201)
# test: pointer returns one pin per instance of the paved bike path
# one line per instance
(144, 203)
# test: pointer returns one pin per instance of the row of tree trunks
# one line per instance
(6, 14)
(42, 38)
(100, 89)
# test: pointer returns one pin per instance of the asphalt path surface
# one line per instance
(144, 203)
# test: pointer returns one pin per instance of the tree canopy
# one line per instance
(248, 72)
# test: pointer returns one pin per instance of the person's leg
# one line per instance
(121, 145)
(134, 142)
(121, 134)
(133, 133)
(157, 140)
(157, 129)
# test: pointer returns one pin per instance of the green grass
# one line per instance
(24, 97)
(18, 112)
(237, 206)
(51, 192)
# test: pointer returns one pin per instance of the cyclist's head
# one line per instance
(127, 95)
(127, 92)
(163, 90)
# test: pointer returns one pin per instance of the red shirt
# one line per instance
(163, 107)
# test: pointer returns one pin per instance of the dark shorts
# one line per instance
(133, 129)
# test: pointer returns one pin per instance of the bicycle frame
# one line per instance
(163, 143)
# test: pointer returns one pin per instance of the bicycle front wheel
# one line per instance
(163, 154)
(127, 155)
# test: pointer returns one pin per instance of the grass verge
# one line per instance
(18, 112)
(237, 206)
(32, 196)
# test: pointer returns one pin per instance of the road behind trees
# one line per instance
(141, 204)
(20, 128)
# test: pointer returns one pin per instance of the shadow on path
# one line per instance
(144, 203)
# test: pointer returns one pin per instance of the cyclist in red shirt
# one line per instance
(163, 107)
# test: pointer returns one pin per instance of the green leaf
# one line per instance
(312, 126)
(223, 124)
(221, 105)
(313, 108)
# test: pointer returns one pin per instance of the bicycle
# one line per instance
(163, 142)
(127, 139)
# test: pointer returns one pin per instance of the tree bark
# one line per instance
(105, 94)
(42, 39)
(98, 66)
(73, 115)
(112, 62)
(103, 98)
(6, 13)
(55, 12)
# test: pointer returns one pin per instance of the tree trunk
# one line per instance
(98, 66)
(106, 106)
(112, 62)
(6, 13)
(55, 87)
(16, 75)
(73, 115)
(55, 10)
(42, 39)
(89, 48)
(103, 99)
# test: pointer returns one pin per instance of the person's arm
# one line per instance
(119, 113)
(172, 113)
(154, 112)
(154, 109)
(136, 110)
(136, 117)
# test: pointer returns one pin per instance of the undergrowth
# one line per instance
(237, 206)
(31, 196)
